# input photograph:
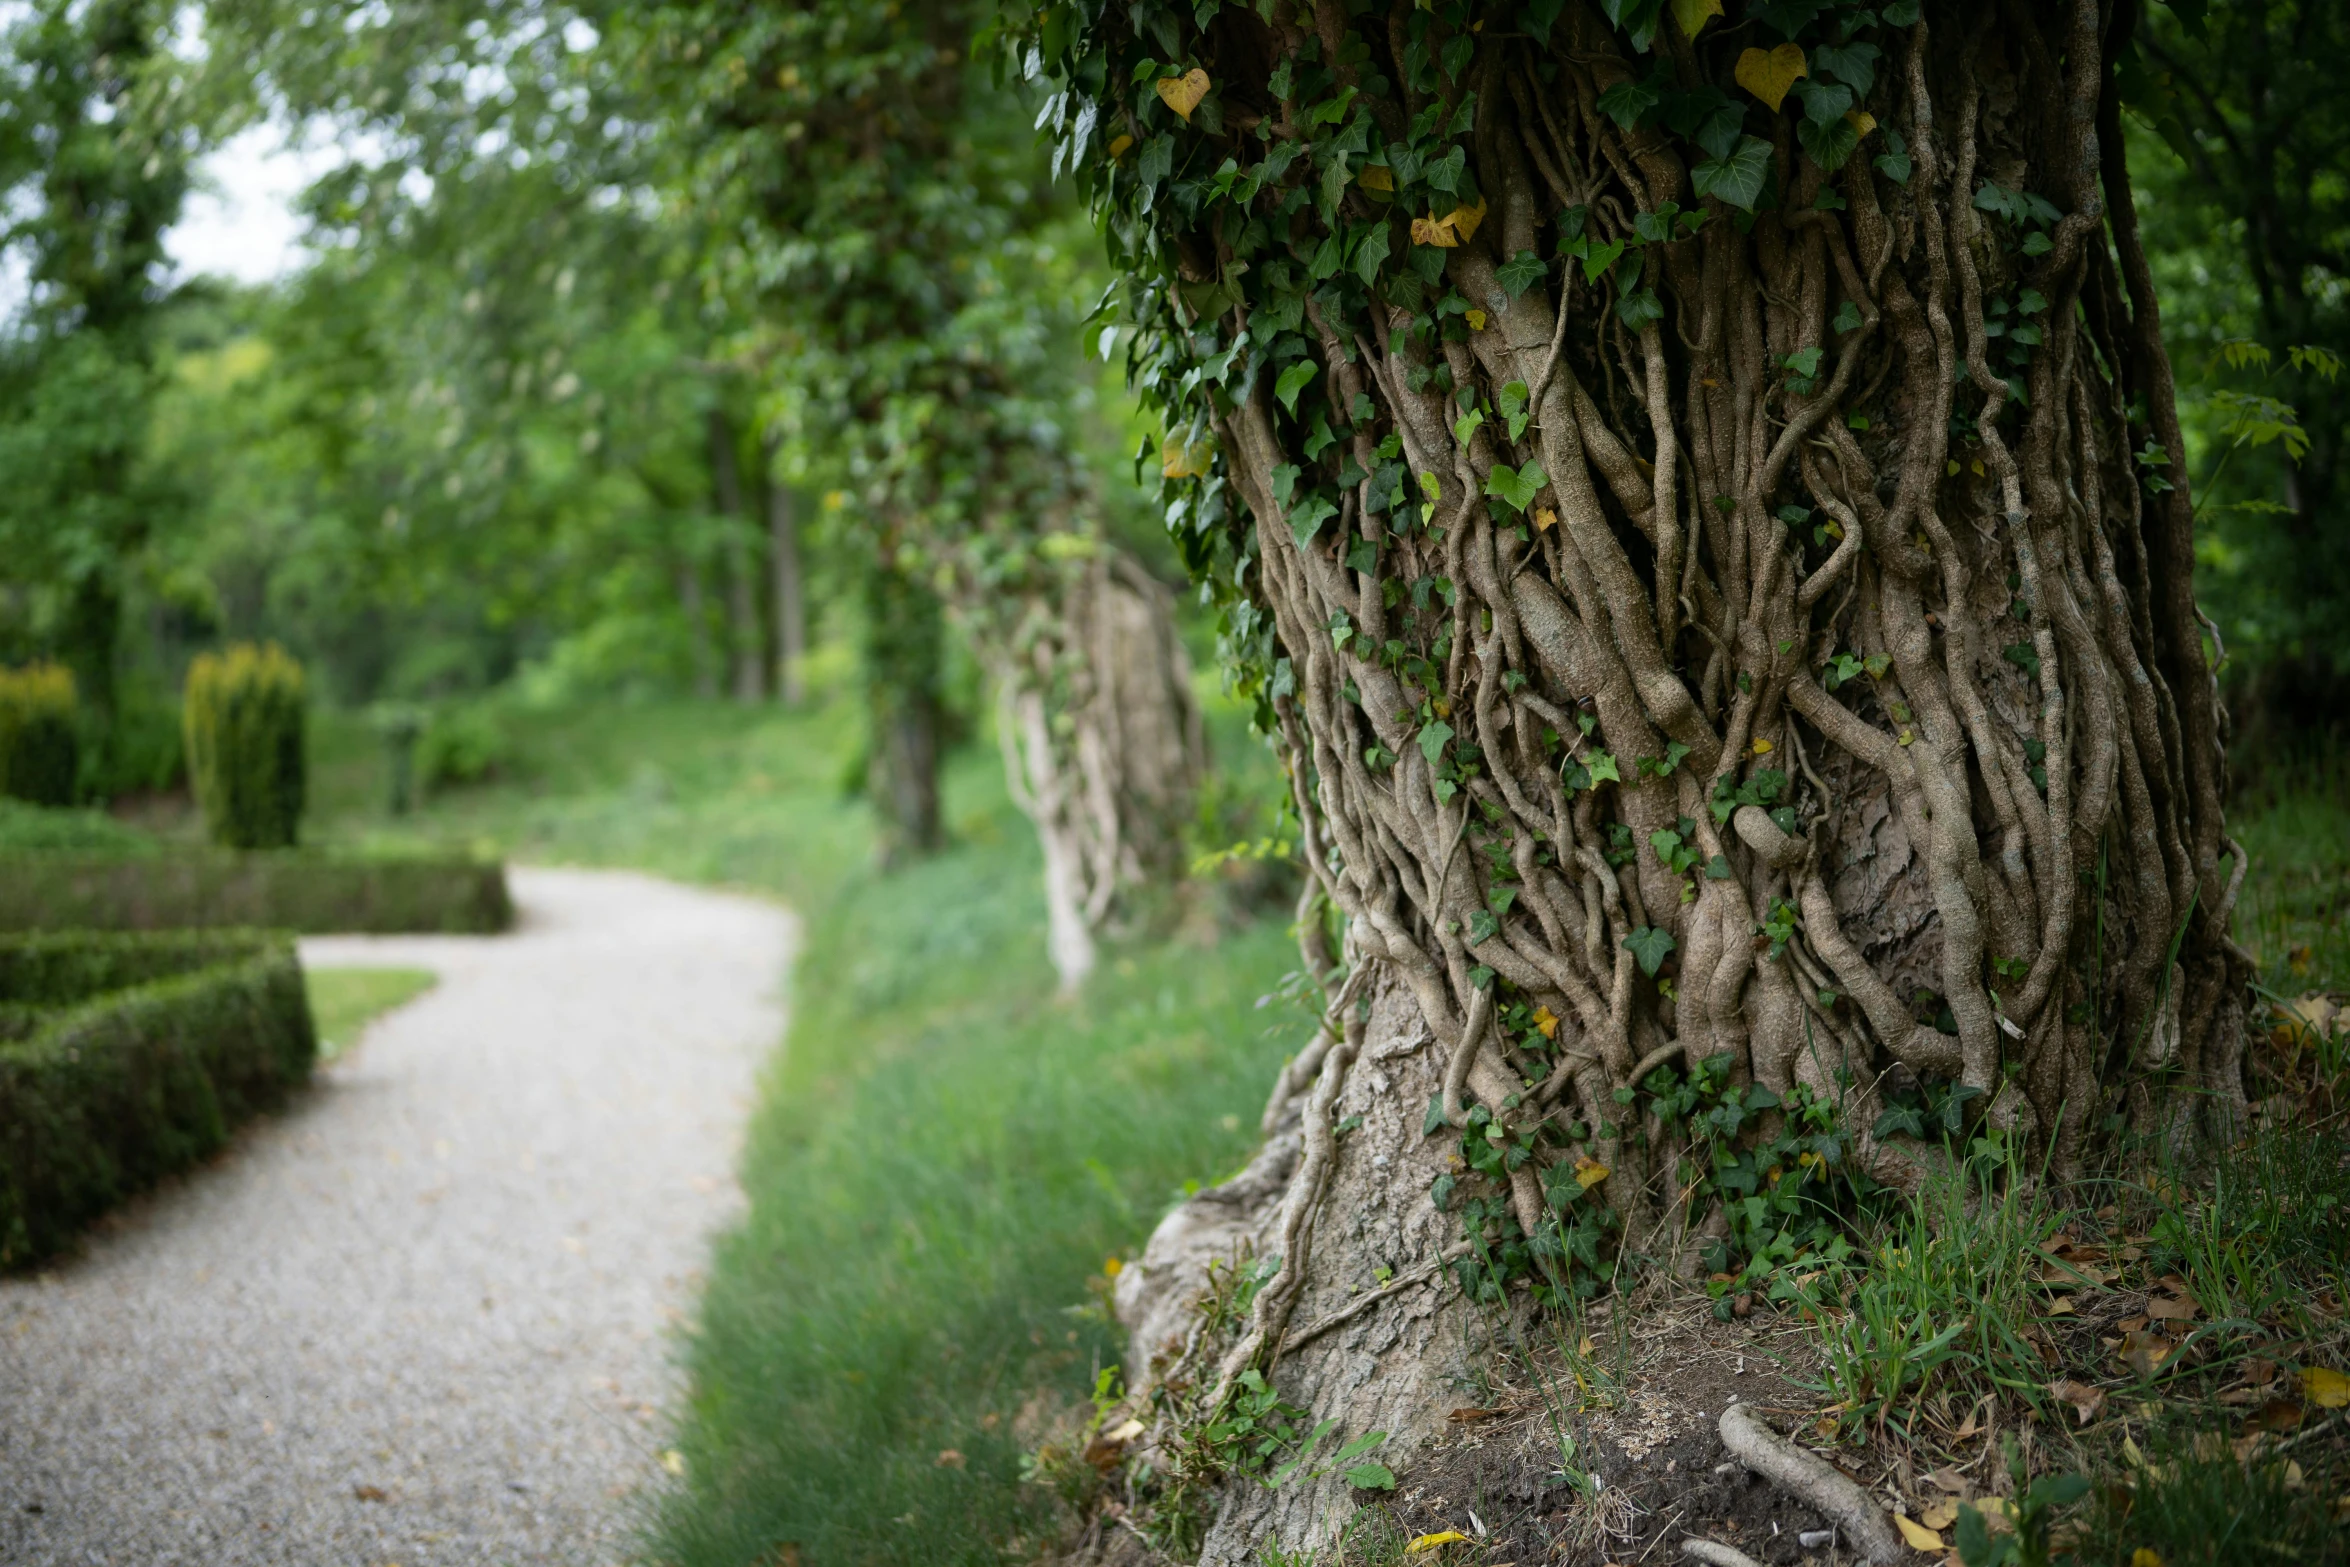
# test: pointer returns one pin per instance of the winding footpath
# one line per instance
(428, 1314)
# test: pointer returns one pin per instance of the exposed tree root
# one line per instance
(1714, 1554)
(1811, 1478)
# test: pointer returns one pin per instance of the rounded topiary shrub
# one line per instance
(39, 750)
(243, 716)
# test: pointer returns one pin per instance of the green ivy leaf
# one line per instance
(1433, 739)
(1737, 180)
(1483, 926)
(1293, 381)
(1651, 947)
(1894, 161)
(1515, 487)
(1307, 517)
(1520, 273)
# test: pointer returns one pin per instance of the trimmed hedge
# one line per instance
(132, 1056)
(243, 713)
(40, 750)
(300, 890)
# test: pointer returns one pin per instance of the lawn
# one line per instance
(343, 1001)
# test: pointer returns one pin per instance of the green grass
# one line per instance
(2294, 913)
(343, 1001)
(943, 1156)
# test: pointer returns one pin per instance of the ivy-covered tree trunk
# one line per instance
(788, 590)
(1103, 746)
(1701, 512)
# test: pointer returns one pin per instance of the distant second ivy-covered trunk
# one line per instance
(1696, 510)
(903, 654)
(1103, 745)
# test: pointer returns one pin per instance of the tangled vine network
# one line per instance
(1695, 495)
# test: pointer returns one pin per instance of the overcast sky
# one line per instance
(242, 224)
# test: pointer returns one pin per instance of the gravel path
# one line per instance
(425, 1316)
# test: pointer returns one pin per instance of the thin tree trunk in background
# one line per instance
(745, 635)
(791, 604)
(697, 627)
(903, 648)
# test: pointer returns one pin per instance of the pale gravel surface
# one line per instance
(449, 1274)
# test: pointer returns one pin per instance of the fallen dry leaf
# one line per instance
(2324, 1387)
(1941, 1515)
(2145, 1350)
(1430, 1542)
(1471, 1416)
(1183, 93)
(2171, 1308)
(1768, 74)
(2086, 1401)
(370, 1493)
(1920, 1537)
(1949, 1480)
(2278, 1414)
(949, 1458)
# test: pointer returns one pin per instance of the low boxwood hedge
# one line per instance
(302, 890)
(126, 1056)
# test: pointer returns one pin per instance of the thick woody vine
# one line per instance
(1653, 464)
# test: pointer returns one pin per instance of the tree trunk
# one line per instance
(903, 655)
(690, 604)
(790, 594)
(1103, 748)
(745, 634)
(1788, 682)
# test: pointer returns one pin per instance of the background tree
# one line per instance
(910, 287)
(1679, 486)
(97, 132)
(2249, 225)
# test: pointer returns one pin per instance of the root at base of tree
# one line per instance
(1814, 1479)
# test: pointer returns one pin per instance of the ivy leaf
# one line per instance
(1597, 260)
(2024, 657)
(1894, 162)
(1371, 254)
(1830, 145)
(1483, 926)
(1307, 518)
(1651, 947)
(1293, 381)
(1737, 180)
(1639, 309)
(1603, 768)
(1284, 483)
(1854, 64)
(1515, 487)
(1847, 319)
(1627, 101)
(1518, 274)
(1433, 739)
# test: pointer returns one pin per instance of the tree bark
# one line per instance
(903, 655)
(1748, 648)
(789, 591)
(746, 634)
(1103, 747)
(691, 605)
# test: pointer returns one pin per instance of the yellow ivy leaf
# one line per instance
(1434, 231)
(1694, 14)
(2325, 1388)
(2145, 1556)
(1976, 467)
(1476, 320)
(1589, 1172)
(1430, 1542)
(1178, 461)
(1545, 519)
(1183, 93)
(1547, 1022)
(1762, 747)
(1920, 1537)
(1904, 738)
(1466, 219)
(1376, 176)
(1861, 122)
(1766, 74)
(1119, 145)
